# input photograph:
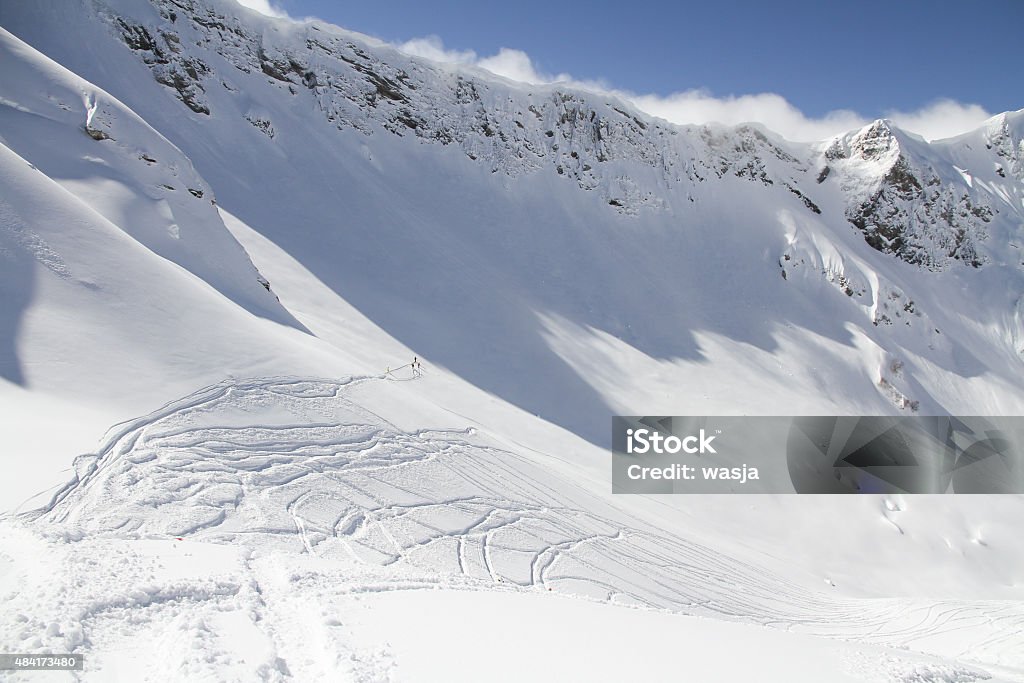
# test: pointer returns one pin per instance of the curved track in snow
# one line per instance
(293, 463)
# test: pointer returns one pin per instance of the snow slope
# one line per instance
(184, 610)
(318, 509)
(222, 249)
(572, 304)
(112, 267)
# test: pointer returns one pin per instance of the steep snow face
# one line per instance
(566, 253)
(132, 177)
(114, 262)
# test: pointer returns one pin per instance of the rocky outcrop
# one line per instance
(905, 207)
(170, 66)
(1007, 146)
(922, 222)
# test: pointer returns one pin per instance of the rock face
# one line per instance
(170, 67)
(1007, 144)
(902, 204)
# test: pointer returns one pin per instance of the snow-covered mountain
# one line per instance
(195, 195)
(486, 223)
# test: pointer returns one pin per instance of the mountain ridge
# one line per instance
(572, 129)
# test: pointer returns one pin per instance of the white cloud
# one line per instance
(514, 65)
(264, 7)
(940, 119)
(432, 47)
(769, 109)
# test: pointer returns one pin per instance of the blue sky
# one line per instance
(869, 57)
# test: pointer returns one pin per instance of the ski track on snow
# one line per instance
(293, 463)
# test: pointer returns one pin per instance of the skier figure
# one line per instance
(415, 366)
